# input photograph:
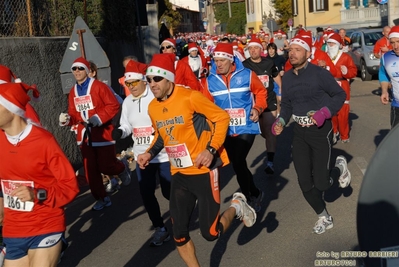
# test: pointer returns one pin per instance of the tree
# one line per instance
(283, 11)
(171, 17)
(235, 24)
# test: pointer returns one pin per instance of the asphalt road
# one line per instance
(282, 236)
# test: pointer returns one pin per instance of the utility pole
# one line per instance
(211, 16)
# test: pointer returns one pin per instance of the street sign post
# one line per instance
(290, 22)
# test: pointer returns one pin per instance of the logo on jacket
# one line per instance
(169, 132)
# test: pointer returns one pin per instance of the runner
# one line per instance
(346, 70)
(233, 88)
(184, 74)
(135, 119)
(388, 74)
(91, 108)
(35, 192)
(311, 96)
(192, 130)
(267, 73)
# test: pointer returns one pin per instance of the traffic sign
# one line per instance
(290, 22)
(382, 2)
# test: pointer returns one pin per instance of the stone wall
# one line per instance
(36, 61)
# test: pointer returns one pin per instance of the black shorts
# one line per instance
(185, 191)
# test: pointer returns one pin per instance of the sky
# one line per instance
(189, 4)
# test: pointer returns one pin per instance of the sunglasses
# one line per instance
(166, 47)
(78, 68)
(156, 79)
(134, 83)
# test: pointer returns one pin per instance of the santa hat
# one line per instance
(81, 62)
(394, 32)
(162, 65)
(279, 32)
(14, 97)
(7, 76)
(255, 42)
(169, 41)
(234, 44)
(327, 33)
(192, 47)
(303, 40)
(224, 50)
(135, 70)
(334, 38)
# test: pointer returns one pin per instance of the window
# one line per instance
(318, 5)
(356, 38)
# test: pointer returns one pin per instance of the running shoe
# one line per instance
(112, 185)
(159, 236)
(125, 175)
(345, 141)
(256, 202)
(246, 213)
(345, 177)
(102, 203)
(269, 168)
(323, 223)
(335, 138)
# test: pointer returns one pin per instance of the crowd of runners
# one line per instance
(195, 108)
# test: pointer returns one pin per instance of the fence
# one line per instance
(16, 18)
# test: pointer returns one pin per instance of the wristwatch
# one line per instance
(41, 194)
(211, 150)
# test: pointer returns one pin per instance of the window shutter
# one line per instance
(325, 5)
(310, 6)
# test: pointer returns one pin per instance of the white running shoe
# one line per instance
(246, 213)
(323, 223)
(112, 185)
(345, 177)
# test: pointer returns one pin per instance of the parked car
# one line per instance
(363, 41)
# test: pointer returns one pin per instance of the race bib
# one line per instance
(83, 103)
(179, 156)
(237, 116)
(303, 120)
(15, 203)
(143, 135)
(265, 80)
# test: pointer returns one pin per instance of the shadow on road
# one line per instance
(271, 186)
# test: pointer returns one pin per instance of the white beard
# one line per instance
(195, 63)
(332, 51)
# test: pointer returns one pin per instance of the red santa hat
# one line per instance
(7, 76)
(192, 47)
(334, 38)
(394, 32)
(327, 33)
(303, 40)
(224, 50)
(14, 97)
(255, 42)
(279, 32)
(234, 44)
(135, 70)
(162, 65)
(169, 41)
(81, 62)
